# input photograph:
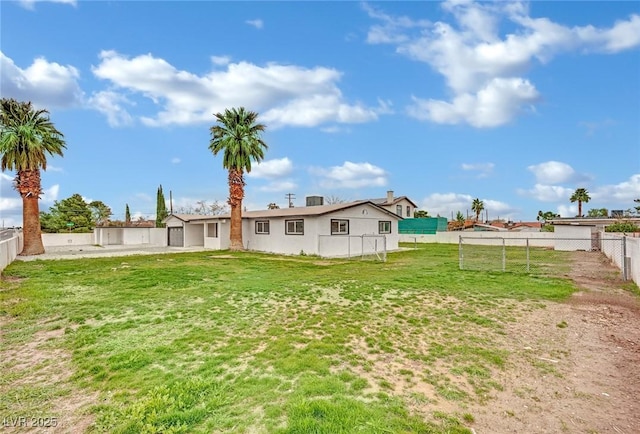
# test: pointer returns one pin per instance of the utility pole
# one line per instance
(171, 201)
(290, 197)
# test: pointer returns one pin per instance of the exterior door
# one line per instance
(176, 237)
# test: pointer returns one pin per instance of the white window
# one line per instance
(399, 210)
(339, 227)
(262, 227)
(294, 227)
(212, 230)
(384, 227)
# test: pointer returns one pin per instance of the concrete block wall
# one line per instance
(9, 249)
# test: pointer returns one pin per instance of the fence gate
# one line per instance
(535, 255)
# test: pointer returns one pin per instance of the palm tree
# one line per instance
(238, 135)
(580, 195)
(477, 206)
(27, 136)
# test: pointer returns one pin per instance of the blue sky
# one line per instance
(515, 103)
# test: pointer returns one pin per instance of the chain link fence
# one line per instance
(531, 255)
(364, 247)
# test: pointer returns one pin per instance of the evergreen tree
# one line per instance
(161, 208)
(127, 215)
(72, 214)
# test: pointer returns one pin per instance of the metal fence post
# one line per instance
(504, 255)
(527, 255)
(460, 255)
(625, 272)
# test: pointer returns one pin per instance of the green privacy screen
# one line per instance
(429, 225)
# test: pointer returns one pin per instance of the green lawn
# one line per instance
(248, 342)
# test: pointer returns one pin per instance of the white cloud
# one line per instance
(484, 69)
(279, 186)
(46, 84)
(547, 193)
(448, 204)
(257, 23)
(483, 169)
(556, 172)
(624, 192)
(351, 175)
(51, 168)
(276, 168)
(492, 106)
(283, 94)
(552, 172)
(111, 104)
(568, 210)
(220, 60)
(30, 4)
(176, 160)
(11, 202)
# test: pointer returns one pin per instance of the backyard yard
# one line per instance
(256, 343)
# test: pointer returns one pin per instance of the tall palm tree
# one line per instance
(238, 135)
(477, 206)
(580, 195)
(27, 136)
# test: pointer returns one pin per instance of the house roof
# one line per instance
(587, 221)
(286, 212)
(383, 201)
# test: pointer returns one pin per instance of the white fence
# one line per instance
(536, 239)
(9, 249)
(353, 246)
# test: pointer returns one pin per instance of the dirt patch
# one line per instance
(39, 367)
(575, 364)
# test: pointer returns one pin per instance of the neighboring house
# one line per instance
(402, 206)
(343, 229)
(582, 233)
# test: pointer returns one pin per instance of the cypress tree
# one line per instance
(161, 208)
(127, 215)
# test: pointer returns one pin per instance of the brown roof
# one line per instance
(286, 212)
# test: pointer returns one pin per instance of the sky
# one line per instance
(517, 104)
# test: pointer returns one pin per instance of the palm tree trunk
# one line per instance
(29, 187)
(579, 208)
(236, 194)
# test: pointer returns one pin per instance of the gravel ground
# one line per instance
(92, 251)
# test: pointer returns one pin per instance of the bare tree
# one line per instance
(333, 200)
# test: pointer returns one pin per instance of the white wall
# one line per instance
(58, 240)
(159, 237)
(194, 234)
(536, 239)
(633, 252)
(317, 238)
(9, 249)
(130, 236)
(572, 238)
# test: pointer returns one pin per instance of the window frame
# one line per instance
(399, 210)
(380, 229)
(339, 222)
(408, 211)
(295, 222)
(215, 231)
(262, 223)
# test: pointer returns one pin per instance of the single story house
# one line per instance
(582, 233)
(402, 205)
(344, 229)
